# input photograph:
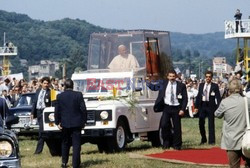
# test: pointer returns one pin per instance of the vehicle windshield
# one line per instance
(104, 85)
(25, 100)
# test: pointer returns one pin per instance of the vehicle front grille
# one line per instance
(90, 118)
(24, 120)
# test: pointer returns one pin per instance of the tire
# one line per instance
(120, 137)
(156, 138)
(54, 146)
(102, 145)
(116, 143)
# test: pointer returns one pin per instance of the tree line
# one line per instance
(66, 41)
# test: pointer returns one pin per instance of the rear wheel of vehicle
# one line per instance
(156, 138)
(54, 146)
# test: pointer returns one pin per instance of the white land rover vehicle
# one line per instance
(119, 103)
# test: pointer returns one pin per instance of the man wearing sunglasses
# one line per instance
(207, 101)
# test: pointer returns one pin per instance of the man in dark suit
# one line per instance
(41, 101)
(70, 117)
(207, 101)
(237, 17)
(4, 113)
(172, 100)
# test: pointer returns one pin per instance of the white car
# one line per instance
(119, 103)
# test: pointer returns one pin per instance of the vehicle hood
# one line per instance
(22, 109)
(97, 104)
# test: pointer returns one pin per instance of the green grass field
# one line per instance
(91, 158)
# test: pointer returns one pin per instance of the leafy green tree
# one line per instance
(67, 40)
(196, 54)
(177, 54)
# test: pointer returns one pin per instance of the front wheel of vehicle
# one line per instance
(120, 137)
(116, 143)
(55, 147)
(102, 145)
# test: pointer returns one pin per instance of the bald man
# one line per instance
(123, 61)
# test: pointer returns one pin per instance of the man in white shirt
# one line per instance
(172, 100)
(123, 61)
(207, 101)
(5, 85)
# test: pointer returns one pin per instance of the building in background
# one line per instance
(45, 68)
(220, 66)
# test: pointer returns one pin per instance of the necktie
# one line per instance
(41, 99)
(172, 94)
(205, 92)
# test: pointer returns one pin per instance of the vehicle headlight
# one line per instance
(5, 149)
(104, 115)
(51, 117)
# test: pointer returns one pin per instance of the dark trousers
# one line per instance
(40, 142)
(207, 111)
(171, 126)
(71, 135)
(238, 23)
(234, 157)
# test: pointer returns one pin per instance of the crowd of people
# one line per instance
(11, 89)
(70, 110)
(192, 86)
(181, 97)
(208, 98)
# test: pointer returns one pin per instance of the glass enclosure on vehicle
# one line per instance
(146, 49)
(92, 82)
(103, 85)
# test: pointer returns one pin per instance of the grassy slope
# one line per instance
(92, 158)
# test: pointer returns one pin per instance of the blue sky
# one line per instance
(186, 16)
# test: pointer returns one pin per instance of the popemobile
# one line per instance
(119, 101)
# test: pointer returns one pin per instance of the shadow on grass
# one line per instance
(90, 163)
(129, 148)
(90, 152)
(27, 137)
(139, 147)
(196, 145)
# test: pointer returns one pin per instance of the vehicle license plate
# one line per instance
(24, 120)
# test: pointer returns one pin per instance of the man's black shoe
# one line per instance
(211, 143)
(177, 148)
(165, 147)
(64, 165)
(203, 142)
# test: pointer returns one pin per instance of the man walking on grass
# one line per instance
(70, 117)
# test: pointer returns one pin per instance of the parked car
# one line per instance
(23, 111)
(9, 149)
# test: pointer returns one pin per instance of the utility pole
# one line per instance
(200, 70)
(64, 70)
